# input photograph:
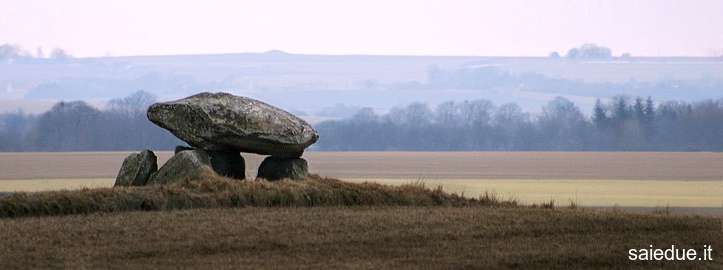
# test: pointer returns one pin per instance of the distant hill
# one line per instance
(315, 83)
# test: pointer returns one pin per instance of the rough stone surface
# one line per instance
(276, 168)
(190, 164)
(224, 122)
(180, 148)
(228, 163)
(137, 169)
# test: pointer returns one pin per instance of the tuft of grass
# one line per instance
(219, 192)
(665, 211)
(491, 198)
(545, 205)
(573, 204)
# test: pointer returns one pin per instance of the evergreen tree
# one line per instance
(649, 110)
(639, 110)
(649, 117)
(621, 110)
(599, 117)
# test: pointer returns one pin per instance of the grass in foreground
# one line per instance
(258, 224)
(215, 192)
(388, 237)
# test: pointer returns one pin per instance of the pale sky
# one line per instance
(413, 27)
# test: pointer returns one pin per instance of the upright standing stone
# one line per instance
(276, 168)
(225, 163)
(228, 163)
(137, 169)
(186, 165)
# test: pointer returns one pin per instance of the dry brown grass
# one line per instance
(389, 237)
(216, 192)
(413, 165)
(324, 223)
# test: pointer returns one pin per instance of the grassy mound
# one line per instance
(215, 192)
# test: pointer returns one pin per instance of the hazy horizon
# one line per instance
(465, 28)
(502, 47)
(351, 54)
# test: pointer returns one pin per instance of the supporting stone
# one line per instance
(190, 164)
(276, 168)
(228, 163)
(137, 169)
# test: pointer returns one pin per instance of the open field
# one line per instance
(609, 193)
(352, 237)
(593, 179)
(413, 165)
(325, 223)
(588, 179)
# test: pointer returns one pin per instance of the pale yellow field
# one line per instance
(14, 185)
(588, 179)
(628, 193)
(412, 165)
(624, 193)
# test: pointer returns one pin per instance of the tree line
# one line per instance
(77, 126)
(617, 124)
(15, 52)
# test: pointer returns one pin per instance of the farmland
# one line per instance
(266, 231)
(350, 237)
(585, 178)
(413, 165)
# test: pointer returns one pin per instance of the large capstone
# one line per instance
(224, 122)
(137, 169)
(185, 165)
(276, 168)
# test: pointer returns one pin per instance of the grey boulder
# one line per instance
(224, 122)
(228, 163)
(137, 169)
(225, 163)
(186, 165)
(276, 168)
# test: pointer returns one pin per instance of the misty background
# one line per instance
(575, 101)
(80, 75)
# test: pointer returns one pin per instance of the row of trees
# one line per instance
(621, 124)
(15, 52)
(77, 126)
(589, 51)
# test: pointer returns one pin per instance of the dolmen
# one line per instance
(218, 127)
